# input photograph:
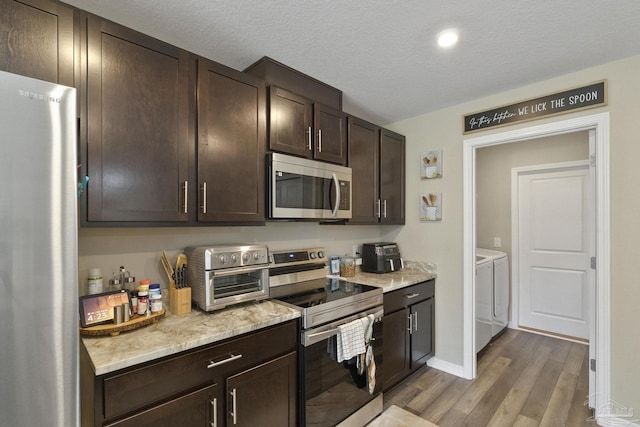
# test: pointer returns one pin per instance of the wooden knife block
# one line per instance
(179, 299)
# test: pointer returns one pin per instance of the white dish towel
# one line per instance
(350, 339)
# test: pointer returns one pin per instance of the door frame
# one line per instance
(514, 323)
(600, 125)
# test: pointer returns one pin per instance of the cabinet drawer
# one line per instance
(405, 297)
(156, 381)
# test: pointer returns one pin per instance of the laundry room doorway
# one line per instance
(599, 340)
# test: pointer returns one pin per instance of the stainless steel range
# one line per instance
(331, 392)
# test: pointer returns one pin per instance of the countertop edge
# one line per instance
(167, 337)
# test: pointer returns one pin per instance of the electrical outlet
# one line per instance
(497, 242)
(355, 251)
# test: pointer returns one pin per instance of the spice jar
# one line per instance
(347, 266)
(143, 302)
(94, 281)
(156, 303)
(144, 285)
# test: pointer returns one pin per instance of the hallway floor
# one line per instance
(524, 379)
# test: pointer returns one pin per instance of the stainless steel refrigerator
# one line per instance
(38, 254)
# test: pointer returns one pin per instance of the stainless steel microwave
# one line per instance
(307, 189)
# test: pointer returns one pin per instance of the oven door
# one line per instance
(331, 392)
(307, 189)
(236, 285)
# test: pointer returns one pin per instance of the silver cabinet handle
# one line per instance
(410, 324)
(310, 135)
(384, 204)
(413, 295)
(415, 321)
(319, 140)
(378, 209)
(186, 192)
(214, 412)
(231, 358)
(233, 405)
(204, 198)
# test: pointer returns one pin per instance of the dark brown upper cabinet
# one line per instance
(231, 144)
(300, 127)
(137, 117)
(377, 161)
(37, 40)
(392, 177)
(364, 160)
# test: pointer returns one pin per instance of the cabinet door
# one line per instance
(196, 409)
(290, 123)
(396, 356)
(36, 40)
(265, 395)
(422, 333)
(137, 137)
(330, 133)
(364, 162)
(392, 177)
(231, 144)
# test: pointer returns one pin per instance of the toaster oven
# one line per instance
(224, 275)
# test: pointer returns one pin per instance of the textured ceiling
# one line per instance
(382, 54)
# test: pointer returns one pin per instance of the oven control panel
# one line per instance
(219, 257)
(298, 256)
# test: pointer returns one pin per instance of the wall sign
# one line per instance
(580, 98)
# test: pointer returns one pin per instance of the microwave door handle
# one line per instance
(336, 184)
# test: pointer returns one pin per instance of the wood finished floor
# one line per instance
(524, 380)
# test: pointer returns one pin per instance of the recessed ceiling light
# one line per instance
(447, 38)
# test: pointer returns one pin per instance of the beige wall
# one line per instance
(493, 179)
(442, 242)
(139, 249)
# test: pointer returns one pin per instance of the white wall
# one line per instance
(442, 242)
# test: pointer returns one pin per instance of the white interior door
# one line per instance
(554, 250)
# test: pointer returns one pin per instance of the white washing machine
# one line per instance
(499, 289)
(484, 280)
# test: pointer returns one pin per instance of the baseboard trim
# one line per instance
(448, 367)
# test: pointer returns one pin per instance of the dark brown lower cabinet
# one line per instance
(250, 380)
(193, 409)
(422, 337)
(265, 395)
(408, 333)
(396, 348)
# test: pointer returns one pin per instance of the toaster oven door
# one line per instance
(236, 285)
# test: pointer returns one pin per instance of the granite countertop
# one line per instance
(413, 272)
(173, 334)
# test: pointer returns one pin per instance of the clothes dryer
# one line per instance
(500, 289)
(484, 279)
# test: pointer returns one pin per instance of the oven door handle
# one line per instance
(319, 336)
(312, 338)
(239, 270)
